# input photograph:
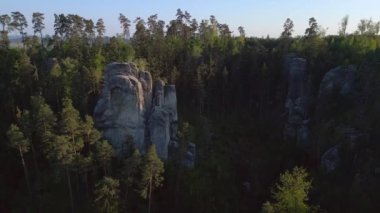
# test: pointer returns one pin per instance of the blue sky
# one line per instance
(259, 18)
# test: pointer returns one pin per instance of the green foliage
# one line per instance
(89, 132)
(152, 173)
(267, 208)
(291, 193)
(103, 154)
(237, 81)
(131, 169)
(43, 122)
(38, 24)
(17, 139)
(107, 195)
(119, 50)
(19, 23)
(313, 29)
(100, 28)
(70, 124)
(61, 151)
(98, 63)
(288, 28)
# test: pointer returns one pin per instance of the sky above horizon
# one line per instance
(259, 18)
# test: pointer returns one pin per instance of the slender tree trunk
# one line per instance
(78, 181)
(36, 167)
(35, 160)
(86, 184)
(105, 169)
(150, 193)
(42, 41)
(70, 190)
(25, 171)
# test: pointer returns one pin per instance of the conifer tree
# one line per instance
(38, 24)
(19, 23)
(44, 121)
(61, 154)
(70, 125)
(131, 168)
(18, 141)
(100, 28)
(107, 195)
(103, 154)
(152, 174)
(125, 24)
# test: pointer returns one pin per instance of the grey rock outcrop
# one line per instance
(189, 160)
(339, 95)
(330, 159)
(162, 123)
(129, 105)
(339, 81)
(297, 101)
(121, 109)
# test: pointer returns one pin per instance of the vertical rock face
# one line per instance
(162, 122)
(339, 95)
(338, 81)
(128, 106)
(297, 101)
(121, 109)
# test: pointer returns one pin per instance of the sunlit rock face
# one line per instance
(162, 122)
(128, 106)
(121, 109)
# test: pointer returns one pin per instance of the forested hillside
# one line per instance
(232, 92)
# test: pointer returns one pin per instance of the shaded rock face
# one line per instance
(339, 81)
(338, 95)
(330, 159)
(128, 106)
(190, 156)
(297, 101)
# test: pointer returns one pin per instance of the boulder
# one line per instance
(340, 81)
(330, 159)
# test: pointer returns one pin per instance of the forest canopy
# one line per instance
(231, 92)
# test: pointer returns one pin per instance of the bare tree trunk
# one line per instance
(37, 169)
(86, 184)
(25, 171)
(42, 41)
(150, 193)
(35, 160)
(70, 190)
(77, 180)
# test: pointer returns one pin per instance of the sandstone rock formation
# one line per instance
(339, 81)
(330, 160)
(162, 123)
(297, 101)
(130, 106)
(339, 95)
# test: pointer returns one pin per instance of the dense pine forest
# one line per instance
(232, 92)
